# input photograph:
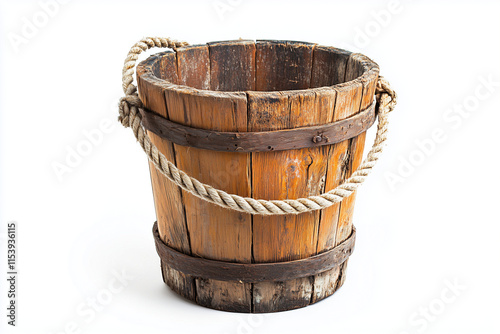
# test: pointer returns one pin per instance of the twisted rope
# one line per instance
(131, 117)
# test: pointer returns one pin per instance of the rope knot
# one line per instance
(132, 100)
(386, 96)
(128, 107)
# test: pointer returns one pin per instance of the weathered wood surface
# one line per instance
(283, 65)
(356, 65)
(345, 157)
(279, 140)
(254, 272)
(244, 86)
(168, 198)
(214, 232)
(232, 65)
(329, 66)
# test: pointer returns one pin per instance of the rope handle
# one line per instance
(130, 116)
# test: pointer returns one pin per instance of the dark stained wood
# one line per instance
(280, 140)
(347, 103)
(254, 272)
(168, 198)
(193, 66)
(329, 66)
(168, 66)
(281, 175)
(283, 65)
(232, 65)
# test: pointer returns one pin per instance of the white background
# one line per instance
(437, 224)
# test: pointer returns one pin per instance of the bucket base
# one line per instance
(254, 287)
(252, 297)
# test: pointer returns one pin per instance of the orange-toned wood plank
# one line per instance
(286, 174)
(167, 196)
(214, 232)
(347, 103)
(356, 66)
(344, 227)
(168, 67)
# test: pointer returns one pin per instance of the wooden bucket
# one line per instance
(247, 86)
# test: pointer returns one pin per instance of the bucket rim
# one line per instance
(147, 73)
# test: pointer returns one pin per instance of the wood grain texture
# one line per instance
(357, 64)
(329, 66)
(281, 175)
(232, 65)
(286, 174)
(283, 65)
(214, 232)
(193, 66)
(168, 199)
(344, 225)
(347, 103)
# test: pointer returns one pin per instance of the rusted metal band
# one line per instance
(280, 140)
(253, 272)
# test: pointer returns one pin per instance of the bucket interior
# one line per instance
(258, 66)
